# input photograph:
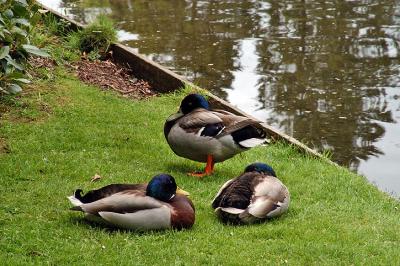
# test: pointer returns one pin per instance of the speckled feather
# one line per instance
(239, 192)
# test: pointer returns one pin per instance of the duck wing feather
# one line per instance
(234, 126)
(237, 192)
(198, 119)
(245, 131)
(147, 219)
(217, 200)
(106, 191)
(121, 202)
(271, 198)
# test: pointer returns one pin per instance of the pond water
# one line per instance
(325, 72)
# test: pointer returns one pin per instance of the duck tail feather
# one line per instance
(250, 143)
(231, 210)
(228, 215)
(74, 201)
(249, 136)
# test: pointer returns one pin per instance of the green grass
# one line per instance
(96, 38)
(63, 132)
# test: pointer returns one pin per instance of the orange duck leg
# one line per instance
(208, 170)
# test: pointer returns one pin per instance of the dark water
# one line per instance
(324, 72)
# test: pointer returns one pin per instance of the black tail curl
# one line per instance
(106, 191)
(78, 194)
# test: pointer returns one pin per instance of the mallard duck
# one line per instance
(251, 197)
(197, 133)
(156, 205)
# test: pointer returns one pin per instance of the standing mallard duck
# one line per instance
(210, 136)
(253, 196)
(157, 205)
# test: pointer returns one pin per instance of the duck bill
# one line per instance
(182, 192)
(176, 116)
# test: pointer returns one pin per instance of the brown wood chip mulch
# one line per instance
(108, 75)
(39, 62)
(104, 74)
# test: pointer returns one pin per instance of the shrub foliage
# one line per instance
(17, 18)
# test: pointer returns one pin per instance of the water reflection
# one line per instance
(326, 72)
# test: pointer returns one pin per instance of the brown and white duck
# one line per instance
(252, 197)
(156, 205)
(200, 134)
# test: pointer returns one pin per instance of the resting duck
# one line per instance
(197, 133)
(252, 197)
(156, 205)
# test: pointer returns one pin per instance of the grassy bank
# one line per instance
(63, 132)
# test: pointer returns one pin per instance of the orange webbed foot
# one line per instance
(199, 175)
(207, 171)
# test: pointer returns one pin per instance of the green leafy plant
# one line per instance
(17, 18)
(96, 38)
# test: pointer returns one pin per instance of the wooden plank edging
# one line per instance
(164, 80)
(74, 25)
(161, 79)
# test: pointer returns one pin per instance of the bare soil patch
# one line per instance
(3, 146)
